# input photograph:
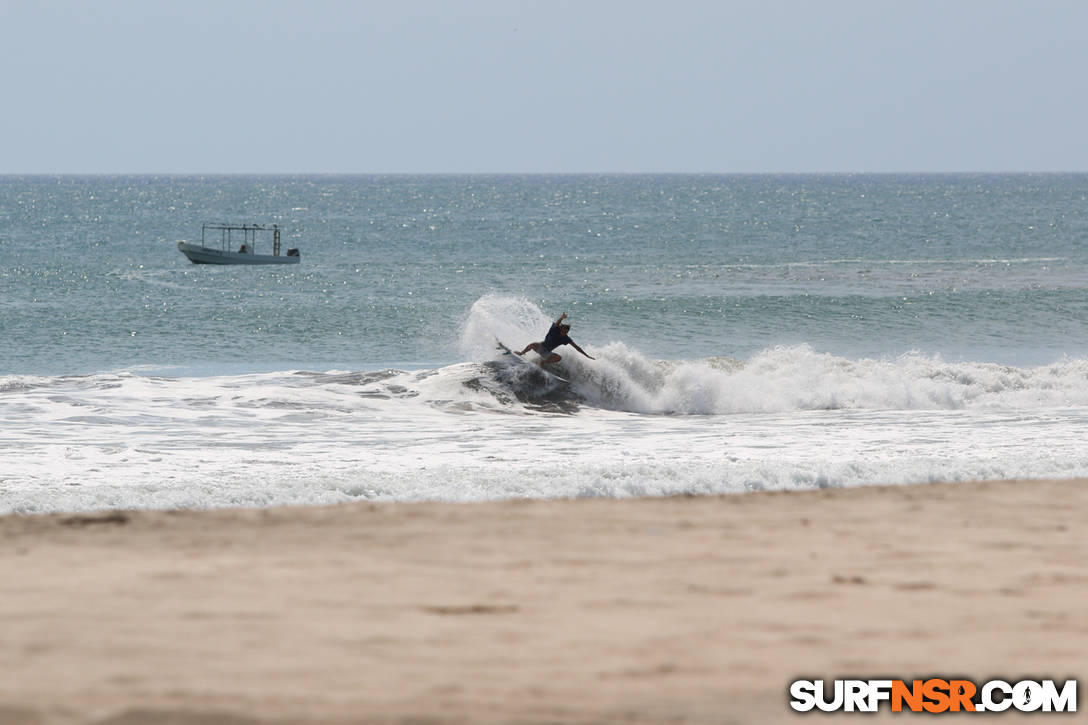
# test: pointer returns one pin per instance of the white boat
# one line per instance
(223, 251)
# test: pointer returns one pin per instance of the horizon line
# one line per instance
(7, 174)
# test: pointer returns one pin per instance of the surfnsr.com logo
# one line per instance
(934, 695)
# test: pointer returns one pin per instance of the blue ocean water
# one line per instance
(750, 332)
(985, 268)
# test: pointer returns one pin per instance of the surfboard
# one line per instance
(523, 361)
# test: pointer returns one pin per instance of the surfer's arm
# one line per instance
(561, 318)
(575, 346)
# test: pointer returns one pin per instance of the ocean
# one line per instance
(750, 333)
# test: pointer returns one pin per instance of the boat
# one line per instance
(217, 245)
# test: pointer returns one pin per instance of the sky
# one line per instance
(513, 86)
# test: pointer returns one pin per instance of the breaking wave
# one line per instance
(492, 427)
(777, 380)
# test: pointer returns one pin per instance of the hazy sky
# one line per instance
(226, 86)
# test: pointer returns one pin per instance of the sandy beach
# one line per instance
(688, 609)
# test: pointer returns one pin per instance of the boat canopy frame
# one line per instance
(249, 235)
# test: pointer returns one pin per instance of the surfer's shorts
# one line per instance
(544, 353)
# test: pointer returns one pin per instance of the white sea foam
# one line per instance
(626, 425)
(798, 378)
(780, 379)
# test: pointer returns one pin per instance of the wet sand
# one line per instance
(693, 610)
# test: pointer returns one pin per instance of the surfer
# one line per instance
(557, 335)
